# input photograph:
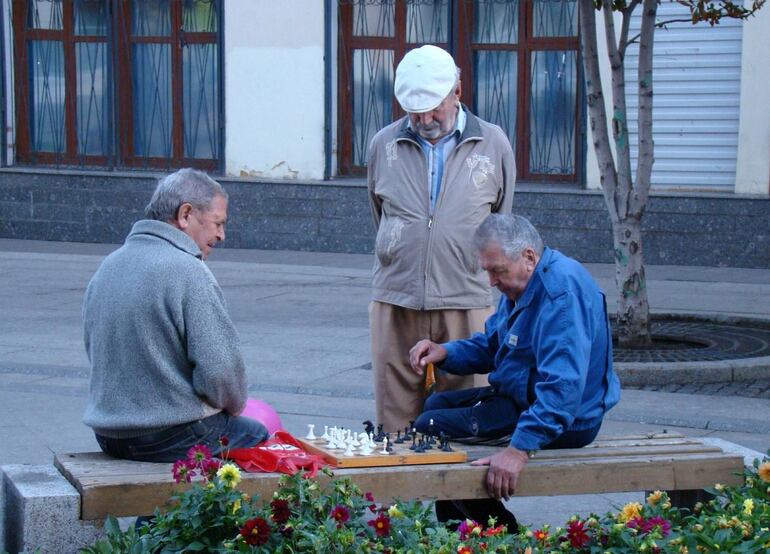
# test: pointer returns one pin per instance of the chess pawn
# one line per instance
(310, 435)
(349, 450)
(384, 446)
(325, 436)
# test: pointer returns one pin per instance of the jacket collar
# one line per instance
(535, 281)
(472, 130)
(167, 232)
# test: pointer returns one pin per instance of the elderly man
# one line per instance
(433, 176)
(547, 350)
(166, 367)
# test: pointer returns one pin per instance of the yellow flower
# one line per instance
(236, 506)
(748, 506)
(654, 498)
(229, 475)
(629, 511)
(684, 550)
(719, 487)
(764, 471)
(394, 512)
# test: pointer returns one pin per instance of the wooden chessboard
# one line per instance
(401, 455)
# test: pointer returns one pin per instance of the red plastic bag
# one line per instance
(280, 453)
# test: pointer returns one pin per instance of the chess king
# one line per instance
(547, 351)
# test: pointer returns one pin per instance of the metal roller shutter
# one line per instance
(696, 80)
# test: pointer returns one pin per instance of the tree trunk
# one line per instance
(633, 319)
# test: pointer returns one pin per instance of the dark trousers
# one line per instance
(481, 413)
(172, 444)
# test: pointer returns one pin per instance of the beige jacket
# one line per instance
(427, 262)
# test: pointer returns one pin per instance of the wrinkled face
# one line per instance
(510, 277)
(205, 227)
(440, 121)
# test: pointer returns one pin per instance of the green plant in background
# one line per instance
(306, 515)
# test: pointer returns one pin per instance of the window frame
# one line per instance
(119, 119)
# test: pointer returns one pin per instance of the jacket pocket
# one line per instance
(389, 239)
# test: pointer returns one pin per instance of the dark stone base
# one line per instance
(679, 229)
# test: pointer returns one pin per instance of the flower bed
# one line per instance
(305, 516)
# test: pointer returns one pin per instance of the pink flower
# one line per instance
(369, 497)
(182, 471)
(467, 528)
(198, 454)
(209, 468)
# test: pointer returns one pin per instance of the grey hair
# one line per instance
(183, 186)
(513, 233)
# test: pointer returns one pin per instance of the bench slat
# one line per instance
(139, 494)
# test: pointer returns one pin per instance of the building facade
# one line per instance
(280, 100)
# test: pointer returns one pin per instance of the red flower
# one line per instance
(369, 497)
(381, 525)
(463, 549)
(340, 514)
(198, 454)
(287, 530)
(210, 467)
(540, 535)
(576, 534)
(635, 522)
(255, 531)
(182, 471)
(281, 512)
(492, 531)
(372, 508)
(223, 440)
(659, 522)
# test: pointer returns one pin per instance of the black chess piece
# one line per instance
(407, 434)
(368, 427)
(426, 441)
(389, 448)
(421, 446)
(414, 440)
(399, 438)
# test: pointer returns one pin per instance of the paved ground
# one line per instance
(754, 389)
(302, 318)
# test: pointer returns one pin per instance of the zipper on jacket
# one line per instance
(430, 222)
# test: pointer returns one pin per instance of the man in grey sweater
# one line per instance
(166, 367)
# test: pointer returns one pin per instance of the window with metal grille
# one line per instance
(118, 83)
(520, 70)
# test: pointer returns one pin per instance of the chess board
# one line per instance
(401, 455)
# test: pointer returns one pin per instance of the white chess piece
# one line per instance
(365, 449)
(349, 450)
(325, 436)
(310, 435)
(384, 446)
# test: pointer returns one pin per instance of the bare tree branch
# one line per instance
(623, 43)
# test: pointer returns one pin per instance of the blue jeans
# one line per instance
(481, 412)
(172, 444)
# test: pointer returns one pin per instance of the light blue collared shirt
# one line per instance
(437, 154)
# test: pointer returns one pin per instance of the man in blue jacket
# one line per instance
(547, 350)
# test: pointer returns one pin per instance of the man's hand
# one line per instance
(504, 470)
(426, 352)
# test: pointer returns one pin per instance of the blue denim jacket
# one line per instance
(551, 352)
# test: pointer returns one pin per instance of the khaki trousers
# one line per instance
(398, 391)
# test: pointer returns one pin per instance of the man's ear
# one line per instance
(530, 255)
(183, 214)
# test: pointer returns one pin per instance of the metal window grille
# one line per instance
(118, 83)
(520, 70)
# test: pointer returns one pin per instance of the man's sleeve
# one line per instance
(475, 354)
(374, 201)
(562, 348)
(504, 202)
(213, 348)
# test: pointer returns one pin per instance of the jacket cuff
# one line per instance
(526, 441)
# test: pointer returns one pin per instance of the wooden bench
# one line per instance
(671, 462)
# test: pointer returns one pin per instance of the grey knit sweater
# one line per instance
(163, 349)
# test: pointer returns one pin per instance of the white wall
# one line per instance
(753, 171)
(274, 88)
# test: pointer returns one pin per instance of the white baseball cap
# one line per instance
(425, 76)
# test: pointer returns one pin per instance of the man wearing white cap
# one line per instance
(433, 176)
